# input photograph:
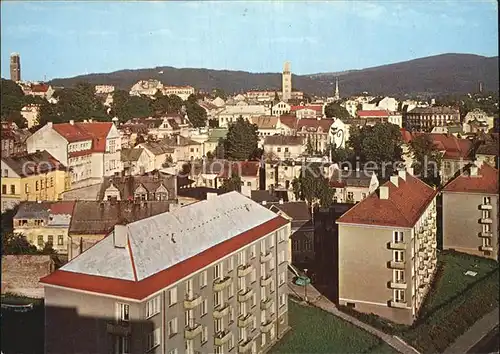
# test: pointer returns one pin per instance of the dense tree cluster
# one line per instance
(231, 184)
(427, 160)
(487, 102)
(335, 110)
(313, 187)
(241, 141)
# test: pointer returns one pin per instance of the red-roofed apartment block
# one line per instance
(173, 278)
(387, 249)
(308, 111)
(90, 149)
(470, 211)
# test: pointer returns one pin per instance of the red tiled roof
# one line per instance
(141, 289)
(317, 108)
(39, 88)
(404, 207)
(79, 153)
(453, 147)
(95, 131)
(289, 121)
(248, 169)
(406, 135)
(486, 181)
(372, 113)
(324, 124)
(62, 207)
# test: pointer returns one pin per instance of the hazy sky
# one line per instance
(61, 39)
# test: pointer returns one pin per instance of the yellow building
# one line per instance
(32, 177)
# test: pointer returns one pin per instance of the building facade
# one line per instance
(470, 212)
(15, 67)
(427, 118)
(286, 85)
(233, 297)
(398, 225)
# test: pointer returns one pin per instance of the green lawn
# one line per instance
(317, 331)
(455, 302)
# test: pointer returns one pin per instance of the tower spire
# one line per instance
(337, 95)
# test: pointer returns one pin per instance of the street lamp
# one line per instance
(305, 286)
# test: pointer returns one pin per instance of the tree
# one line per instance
(213, 123)
(335, 110)
(13, 99)
(231, 184)
(313, 187)
(380, 143)
(197, 115)
(14, 243)
(241, 140)
(427, 160)
(217, 92)
(338, 154)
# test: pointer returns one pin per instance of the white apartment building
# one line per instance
(231, 114)
(180, 91)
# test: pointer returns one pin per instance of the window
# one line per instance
(363, 195)
(282, 278)
(263, 249)
(486, 200)
(52, 181)
(203, 279)
(4, 188)
(40, 240)
(253, 275)
(271, 241)
(254, 300)
(399, 295)
(486, 228)
(397, 237)
(398, 276)
(37, 186)
(254, 323)
(26, 188)
(281, 235)
(243, 308)
(263, 340)
(398, 256)
(350, 196)
(50, 239)
(218, 271)
(281, 257)
(12, 189)
(282, 300)
(231, 314)
(172, 327)
(218, 349)
(242, 334)
(252, 251)
(172, 296)
(230, 264)
(173, 351)
(123, 345)
(189, 318)
(153, 339)
(152, 307)
(486, 242)
(241, 258)
(204, 335)
(218, 325)
(189, 288)
(60, 240)
(486, 214)
(204, 307)
(230, 342)
(5, 173)
(217, 298)
(123, 312)
(230, 291)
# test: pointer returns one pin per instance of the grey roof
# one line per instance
(131, 154)
(351, 178)
(298, 211)
(434, 110)
(33, 210)
(162, 241)
(93, 217)
(260, 196)
(158, 147)
(198, 193)
(151, 182)
(27, 165)
(284, 140)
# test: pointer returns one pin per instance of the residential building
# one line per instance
(230, 114)
(156, 186)
(372, 117)
(134, 161)
(158, 153)
(45, 223)
(182, 92)
(308, 111)
(395, 118)
(15, 67)
(146, 87)
(190, 287)
(487, 151)
(284, 147)
(38, 90)
(470, 211)
(263, 96)
(352, 186)
(32, 177)
(286, 82)
(267, 126)
(104, 89)
(351, 106)
(30, 113)
(280, 108)
(210, 108)
(398, 225)
(92, 221)
(478, 121)
(14, 141)
(426, 118)
(130, 132)
(214, 137)
(90, 149)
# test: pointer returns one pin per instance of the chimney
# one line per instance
(473, 170)
(211, 196)
(384, 192)
(394, 180)
(281, 201)
(410, 171)
(120, 236)
(402, 174)
(72, 122)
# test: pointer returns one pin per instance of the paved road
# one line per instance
(489, 344)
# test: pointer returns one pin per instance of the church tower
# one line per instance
(337, 95)
(286, 82)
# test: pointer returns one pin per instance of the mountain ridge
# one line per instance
(447, 73)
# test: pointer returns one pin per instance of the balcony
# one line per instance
(245, 346)
(486, 234)
(245, 296)
(221, 284)
(192, 301)
(244, 321)
(396, 265)
(485, 221)
(398, 304)
(486, 248)
(244, 270)
(266, 303)
(396, 245)
(265, 257)
(397, 285)
(119, 328)
(221, 311)
(486, 207)
(267, 280)
(222, 337)
(191, 331)
(266, 327)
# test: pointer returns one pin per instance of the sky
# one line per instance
(64, 39)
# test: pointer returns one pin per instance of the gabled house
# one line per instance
(470, 211)
(352, 186)
(284, 147)
(158, 154)
(134, 161)
(156, 186)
